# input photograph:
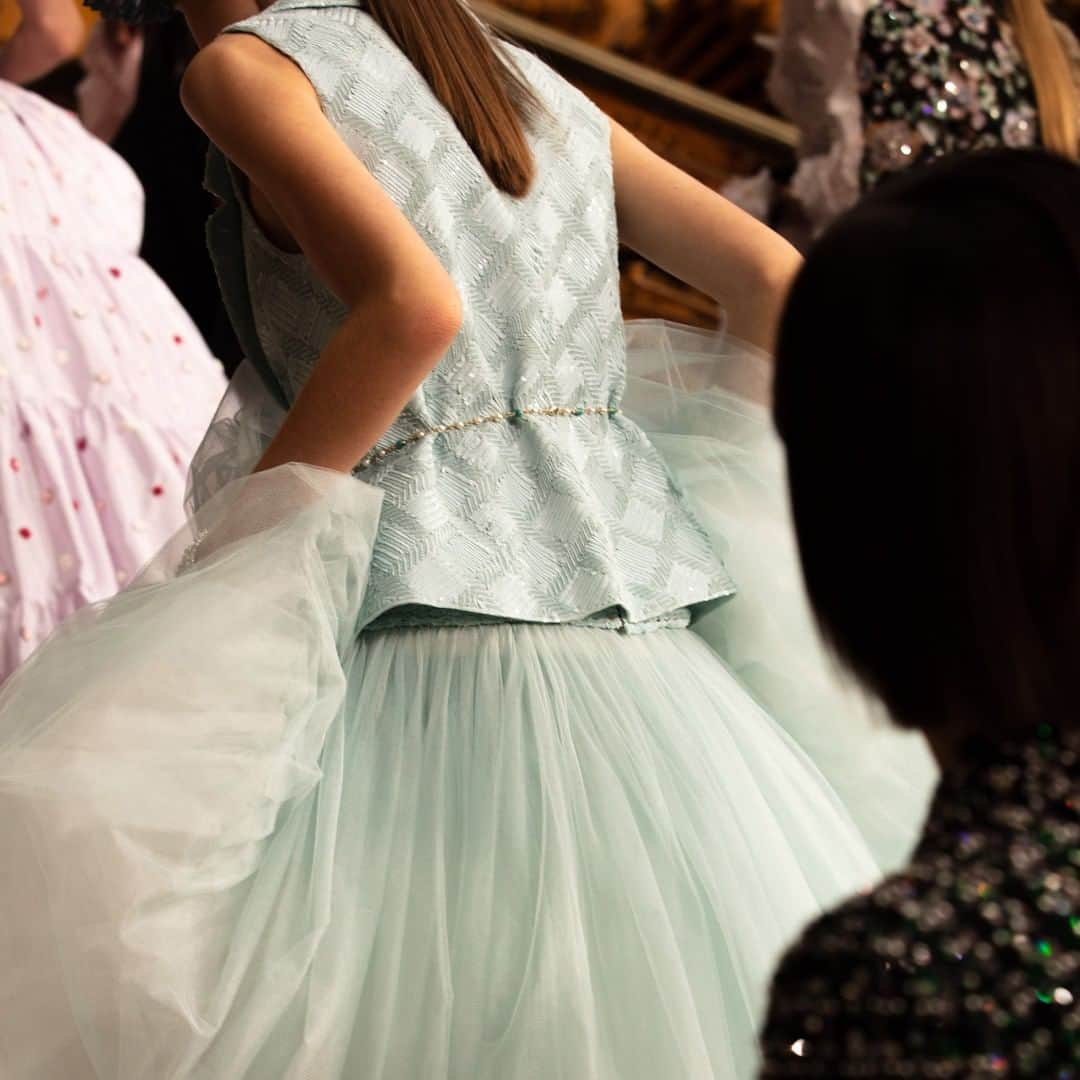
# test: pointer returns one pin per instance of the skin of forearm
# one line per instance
(364, 378)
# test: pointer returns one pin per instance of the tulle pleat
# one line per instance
(570, 854)
(704, 401)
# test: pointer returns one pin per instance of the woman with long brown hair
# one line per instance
(421, 759)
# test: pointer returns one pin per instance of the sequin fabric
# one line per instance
(937, 77)
(563, 511)
(968, 963)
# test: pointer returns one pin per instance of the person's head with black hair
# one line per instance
(928, 392)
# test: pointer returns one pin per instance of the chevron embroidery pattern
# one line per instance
(551, 518)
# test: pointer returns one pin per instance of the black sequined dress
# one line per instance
(938, 77)
(968, 963)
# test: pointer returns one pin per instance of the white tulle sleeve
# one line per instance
(814, 83)
(148, 752)
(246, 421)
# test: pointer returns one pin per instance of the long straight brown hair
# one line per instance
(490, 101)
(1051, 71)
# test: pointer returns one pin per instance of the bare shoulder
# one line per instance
(239, 80)
(307, 188)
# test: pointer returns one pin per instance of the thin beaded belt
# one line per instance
(511, 415)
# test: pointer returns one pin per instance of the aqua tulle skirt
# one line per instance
(241, 841)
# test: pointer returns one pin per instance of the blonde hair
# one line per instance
(1052, 73)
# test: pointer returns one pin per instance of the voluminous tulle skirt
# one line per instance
(239, 840)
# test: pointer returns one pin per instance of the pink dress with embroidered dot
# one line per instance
(105, 384)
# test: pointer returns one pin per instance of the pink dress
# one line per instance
(105, 384)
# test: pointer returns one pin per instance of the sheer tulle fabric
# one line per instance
(240, 840)
(704, 400)
(147, 752)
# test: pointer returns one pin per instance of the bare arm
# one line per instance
(51, 33)
(692, 232)
(404, 311)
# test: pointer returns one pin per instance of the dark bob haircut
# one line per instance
(928, 392)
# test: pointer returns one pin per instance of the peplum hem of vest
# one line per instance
(545, 519)
(549, 519)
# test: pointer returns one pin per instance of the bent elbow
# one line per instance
(427, 317)
(767, 283)
(780, 267)
(440, 317)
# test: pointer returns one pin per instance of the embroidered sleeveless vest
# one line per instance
(514, 487)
